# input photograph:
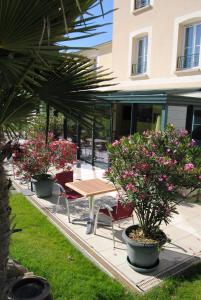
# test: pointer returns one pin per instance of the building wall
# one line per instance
(177, 116)
(163, 23)
(105, 59)
(102, 54)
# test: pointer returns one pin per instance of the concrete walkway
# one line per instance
(184, 232)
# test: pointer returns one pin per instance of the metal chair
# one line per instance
(115, 213)
(69, 195)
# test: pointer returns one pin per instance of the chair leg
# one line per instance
(68, 210)
(96, 222)
(58, 202)
(113, 235)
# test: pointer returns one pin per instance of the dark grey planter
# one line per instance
(30, 288)
(142, 257)
(43, 187)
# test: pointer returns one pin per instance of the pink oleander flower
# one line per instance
(189, 167)
(193, 142)
(170, 187)
(183, 132)
(131, 187)
(199, 177)
(115, 143)
(162, 178)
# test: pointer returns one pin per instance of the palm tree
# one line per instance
(33, 67)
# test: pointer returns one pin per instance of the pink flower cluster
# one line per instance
(64, 153)
(115, 143)
(37, 157)
(170, 187)
(188, 167)
(162, 178)
(183, 132)
(166, 161)
(127, 174)
(130, 187)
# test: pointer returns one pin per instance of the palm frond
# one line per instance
(31, 60)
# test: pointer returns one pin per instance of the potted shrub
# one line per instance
(35, 163)
(151, 170)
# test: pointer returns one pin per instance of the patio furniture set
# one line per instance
(70, 191)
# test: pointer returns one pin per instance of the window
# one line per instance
(141, 66)
(141, 3)
(196, 119)
(126, 112)
(191, 49)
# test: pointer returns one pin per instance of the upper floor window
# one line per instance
(140, 67)
(141, 3)
(191, 47)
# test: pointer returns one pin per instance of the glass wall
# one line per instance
(101, 133)
(137, 119)
(148, 117)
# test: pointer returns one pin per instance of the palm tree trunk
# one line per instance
(4, 230)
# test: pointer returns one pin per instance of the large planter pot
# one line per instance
(30, 288)
(142, 257)
(43, 186)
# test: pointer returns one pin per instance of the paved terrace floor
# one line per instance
(184, 232)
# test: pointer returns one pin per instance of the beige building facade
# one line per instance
(155, 57)
(164, 23)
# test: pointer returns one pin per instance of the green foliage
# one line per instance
(43, 250)
(37, 123)
(33, 66)
(151, 169)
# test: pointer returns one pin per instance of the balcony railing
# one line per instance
(141, 3)
(188, 61)
(139, 68)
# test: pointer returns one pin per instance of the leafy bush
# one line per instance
(151, 169)
(64, 154)
(33, 158)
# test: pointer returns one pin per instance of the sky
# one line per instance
(107, 36)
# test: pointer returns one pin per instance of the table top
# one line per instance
(91, 187)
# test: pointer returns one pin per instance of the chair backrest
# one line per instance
(124, 210)
(64, 177)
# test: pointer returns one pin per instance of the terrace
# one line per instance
(182, 251)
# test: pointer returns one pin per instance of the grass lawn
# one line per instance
(43, 250)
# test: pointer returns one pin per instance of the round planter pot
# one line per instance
(43, 187)
(142, 257)
(30, 288)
